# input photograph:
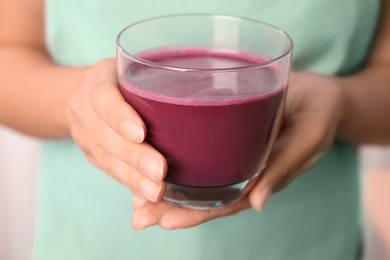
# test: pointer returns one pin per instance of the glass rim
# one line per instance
(153, 64)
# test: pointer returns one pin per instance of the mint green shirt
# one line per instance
(85, 215)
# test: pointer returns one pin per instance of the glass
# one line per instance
(210, 89)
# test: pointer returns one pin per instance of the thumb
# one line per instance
(291, 155)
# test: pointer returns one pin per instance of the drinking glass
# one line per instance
(211, 90)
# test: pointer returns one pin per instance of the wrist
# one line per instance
(341, 132)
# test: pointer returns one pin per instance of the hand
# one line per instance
(314, 107)
(111, 133)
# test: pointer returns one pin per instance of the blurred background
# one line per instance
(19, 158)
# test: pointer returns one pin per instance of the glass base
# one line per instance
(206, 198)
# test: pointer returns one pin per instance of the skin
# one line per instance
(85, 104)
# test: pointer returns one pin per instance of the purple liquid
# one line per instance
(213, 128)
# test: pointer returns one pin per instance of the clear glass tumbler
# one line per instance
(210, 89)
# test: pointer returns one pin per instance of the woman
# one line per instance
(56, 86)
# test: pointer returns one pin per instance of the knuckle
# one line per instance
(275, 176)
(98, 92)
(79, 138)
(322, 136)
(103, 159)
(96, 133)
(94, 97)
(102, 64)
(102, 98)
(91, 159)
(76, 136)
(72, 111)
(110, 115)
(90, 74)
(104, 68)
(281, 186)
(128, 150)
(131, 179)
(316, 135)
(132, 182)
(69, 112)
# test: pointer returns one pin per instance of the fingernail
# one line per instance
(133, 131)
(150, 189)
(153, 167)
(262, 198)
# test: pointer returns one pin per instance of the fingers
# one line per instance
(185, 218)
(138, 202)
(292, 153)
(111, 134)
(110, 105)
(141, 156)
(137, 182)
(168, 216)
(114, 118)
(149, 213)
(312, 114)
(259, 195)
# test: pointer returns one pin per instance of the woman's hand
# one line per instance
(314, 108)
(111, 134)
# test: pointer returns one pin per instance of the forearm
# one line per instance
(366, 106)
(367, 94)
(35, 92)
